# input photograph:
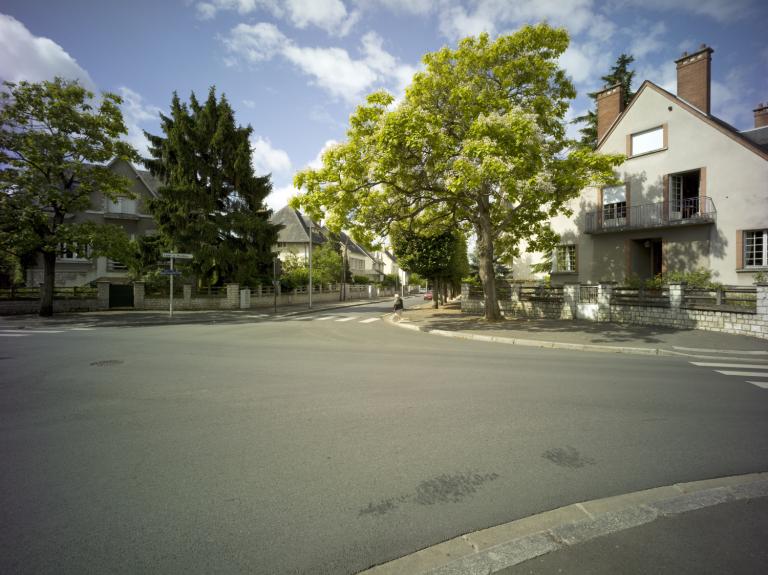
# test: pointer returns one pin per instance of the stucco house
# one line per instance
(693, 191)
(74, 265)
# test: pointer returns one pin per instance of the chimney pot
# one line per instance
(761, 115)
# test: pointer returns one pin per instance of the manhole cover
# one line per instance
(106, 362)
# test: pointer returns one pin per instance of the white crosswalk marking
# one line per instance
(14, 334)
(744, 365)
(257, 316)
(721, 351)
(370, 319)
(326, 317)
(745, 373)
(763, 384)
(28, 331)
(303, 318)
(347, 318)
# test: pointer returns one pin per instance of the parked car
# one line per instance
(428, 295)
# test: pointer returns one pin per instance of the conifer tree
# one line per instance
(211, 203)
(619, 74)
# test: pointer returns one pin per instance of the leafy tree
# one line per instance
(55, 142)
(211, 204)
(477, 144)
(619, 74)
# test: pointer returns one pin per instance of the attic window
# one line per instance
(648, 141)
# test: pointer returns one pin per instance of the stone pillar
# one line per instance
(187, 292)
(233, 296)
(604, 296)
(762, 304)
(677, 295)
(138, 295)
(245, 298)
(102, 288)
(570, 299)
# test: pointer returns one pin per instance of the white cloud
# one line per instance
(332, 69)
(249, 104)
(317, 163)
(280, 195)
(267, 159)
(328, 15)
(256, 42)
(135, 112)
(418, 7)
(648, 38)
(24, 56)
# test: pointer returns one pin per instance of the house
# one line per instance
(293, 238)
(693, 190)
(392, 267)
(75, 267)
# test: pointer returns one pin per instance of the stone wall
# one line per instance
(19, 307)
(676, 315)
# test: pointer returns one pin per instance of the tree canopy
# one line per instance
(478, 144)
(211, 203)
(55, 143)
(619, 74)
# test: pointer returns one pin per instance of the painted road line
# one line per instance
(369, 320)
(304, 318)
(257, 316)
(326, 317)
(14, 334)
(28, 331)
(745, 373)
(744, 365)
(347, 318)
(763, 384)
(81, 329)
(726, 351)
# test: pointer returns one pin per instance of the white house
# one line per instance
(693, 191)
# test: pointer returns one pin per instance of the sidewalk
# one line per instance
(136, 318)
(575, 334)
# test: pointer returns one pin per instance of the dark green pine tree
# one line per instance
(619, 74)
(211, 204)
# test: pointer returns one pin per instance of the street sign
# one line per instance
(178, 256)
(170, 273)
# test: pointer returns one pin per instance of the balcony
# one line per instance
(690, 211)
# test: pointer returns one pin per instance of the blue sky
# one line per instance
(295, 69)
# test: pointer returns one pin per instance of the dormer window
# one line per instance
(648, 141)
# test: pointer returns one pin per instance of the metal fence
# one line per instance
(640, 296)
(588, 294)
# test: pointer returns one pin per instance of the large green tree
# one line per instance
(477, 144)
(55, 142)
(619, 74)
(211, 203)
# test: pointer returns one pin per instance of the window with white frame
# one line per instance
(648, 141)
(614, 205)
(756, 249)
(356, 264)
(565, 258)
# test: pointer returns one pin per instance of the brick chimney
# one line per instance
(694, 78)
(761, 115)
(610, 104)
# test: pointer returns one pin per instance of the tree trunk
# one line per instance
(435, 293)
(49, 277)
(484, 231)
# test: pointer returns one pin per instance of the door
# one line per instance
(120, 295)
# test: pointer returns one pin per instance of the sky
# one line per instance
(296, 69)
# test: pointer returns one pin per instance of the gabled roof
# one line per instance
(713, 121)
(295, 227)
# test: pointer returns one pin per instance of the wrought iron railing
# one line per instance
(696, 210)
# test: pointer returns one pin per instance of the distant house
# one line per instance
(74, 265)
(693, 190)
(293, 238)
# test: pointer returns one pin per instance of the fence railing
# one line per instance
(729, 298)
(31, 293)
(697, 210)
(539, 293)
(640, 296)
(588, 294)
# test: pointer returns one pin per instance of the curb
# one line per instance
(542, 343)
(490, 550)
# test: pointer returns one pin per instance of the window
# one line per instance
(121, 205)
(614, 206)
(648, 141)
(756, 249)
(355, 264)
(73, 252)
(565, 259)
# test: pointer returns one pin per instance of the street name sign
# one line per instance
(170, 273)
(178, 256)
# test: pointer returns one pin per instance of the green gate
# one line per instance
(120, 295)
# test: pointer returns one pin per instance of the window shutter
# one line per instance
(739, 249)
(576, 258)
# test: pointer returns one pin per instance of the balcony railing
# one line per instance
(698, 210)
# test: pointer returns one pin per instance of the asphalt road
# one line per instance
(311, 445)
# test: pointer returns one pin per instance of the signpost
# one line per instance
(172, 272)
